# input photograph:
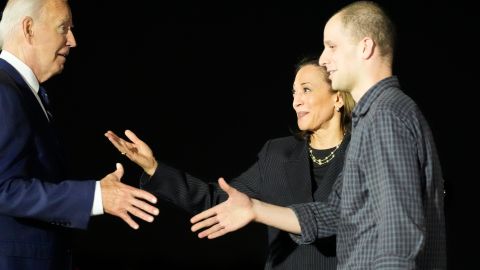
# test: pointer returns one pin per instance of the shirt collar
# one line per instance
(25, 71)
(371, 95)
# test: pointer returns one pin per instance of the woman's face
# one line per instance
(313, 100)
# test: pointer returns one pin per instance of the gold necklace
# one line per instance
(325, 160)
(328, 158)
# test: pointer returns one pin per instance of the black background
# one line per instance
(206, 84)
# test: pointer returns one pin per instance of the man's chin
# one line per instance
(53, 73)
(339, 87)
(59, 70)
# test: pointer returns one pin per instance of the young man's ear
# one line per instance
(368, 47)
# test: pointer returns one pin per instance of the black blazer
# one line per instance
(282, 175)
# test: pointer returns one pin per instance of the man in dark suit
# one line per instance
(36, 202)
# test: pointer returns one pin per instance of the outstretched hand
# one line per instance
(135, 149)
(231, 215)
(122, 200)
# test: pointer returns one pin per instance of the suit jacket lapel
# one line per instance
(32, 102)
(34, 110)
(298, 173)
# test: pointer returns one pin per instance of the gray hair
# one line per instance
(14, 12)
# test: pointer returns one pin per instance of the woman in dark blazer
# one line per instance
(289, 170)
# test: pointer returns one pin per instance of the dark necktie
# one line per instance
(45, 101)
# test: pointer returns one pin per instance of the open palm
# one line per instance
(229, 216)
(135, 149)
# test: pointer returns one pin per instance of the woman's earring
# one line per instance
(337, 109)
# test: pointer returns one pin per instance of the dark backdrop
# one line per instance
(206, 84)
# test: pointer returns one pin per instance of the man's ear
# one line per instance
(368, 47)
(27, 28)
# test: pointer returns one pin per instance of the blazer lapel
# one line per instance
(34, 110)
(298, 173)
(33, 104)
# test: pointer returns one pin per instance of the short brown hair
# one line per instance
(368, 19)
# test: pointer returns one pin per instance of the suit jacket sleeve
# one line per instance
(22, 193)
(195, 195)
